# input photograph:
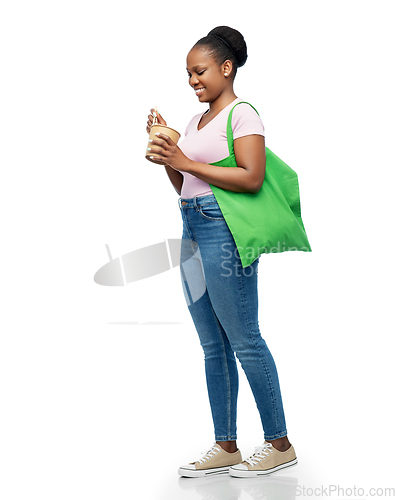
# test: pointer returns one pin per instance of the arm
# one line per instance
(175, 177)
(248, 177)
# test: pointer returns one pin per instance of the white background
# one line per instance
(95, 404)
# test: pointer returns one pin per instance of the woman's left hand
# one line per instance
(169, 152)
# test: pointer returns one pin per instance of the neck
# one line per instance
(224, 99)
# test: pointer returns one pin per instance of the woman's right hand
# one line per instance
(150, 120)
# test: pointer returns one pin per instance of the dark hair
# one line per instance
(226, 43)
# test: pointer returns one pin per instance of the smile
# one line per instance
(199, 91)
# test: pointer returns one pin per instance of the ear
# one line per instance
(227, 68)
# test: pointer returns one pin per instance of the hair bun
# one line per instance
(234, 40)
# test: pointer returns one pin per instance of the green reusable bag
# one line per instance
(268, 221)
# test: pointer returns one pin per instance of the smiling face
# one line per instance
(206, 76)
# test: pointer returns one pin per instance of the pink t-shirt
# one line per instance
(209, 144)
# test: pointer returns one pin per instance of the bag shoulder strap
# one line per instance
(230, 137)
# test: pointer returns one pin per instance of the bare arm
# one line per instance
(175, 177)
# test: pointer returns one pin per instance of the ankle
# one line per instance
(228, 446)
(280, 444)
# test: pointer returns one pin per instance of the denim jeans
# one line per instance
(222, 298)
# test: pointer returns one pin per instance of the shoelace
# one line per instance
(259, 454)
(214, 450)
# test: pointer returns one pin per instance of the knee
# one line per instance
(217, 350)
(249, 346)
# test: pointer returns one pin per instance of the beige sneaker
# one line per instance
(265, 460)
(215, 461)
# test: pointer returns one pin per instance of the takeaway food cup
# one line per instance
(160, 129)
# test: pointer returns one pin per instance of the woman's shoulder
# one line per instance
(246, 120)
(244, 108)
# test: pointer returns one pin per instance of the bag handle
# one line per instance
(230, 136)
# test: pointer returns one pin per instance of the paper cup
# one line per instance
(160, 129)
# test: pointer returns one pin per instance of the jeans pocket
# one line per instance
(211, 211)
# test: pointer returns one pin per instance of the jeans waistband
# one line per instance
(197, 201)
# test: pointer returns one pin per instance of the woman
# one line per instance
(220, 293)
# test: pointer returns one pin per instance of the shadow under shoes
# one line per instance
(215, 461)
(265, 460)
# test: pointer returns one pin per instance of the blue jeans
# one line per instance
(223, 301)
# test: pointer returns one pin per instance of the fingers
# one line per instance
(149, 124)
(160, 120)
(150, 120)
(161, 146)
(157, 147)
(165, 139)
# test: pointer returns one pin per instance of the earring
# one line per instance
(225, 74)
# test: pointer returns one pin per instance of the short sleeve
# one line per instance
(245, 121)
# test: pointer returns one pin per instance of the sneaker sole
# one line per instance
(203, 472)
(255, 473)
